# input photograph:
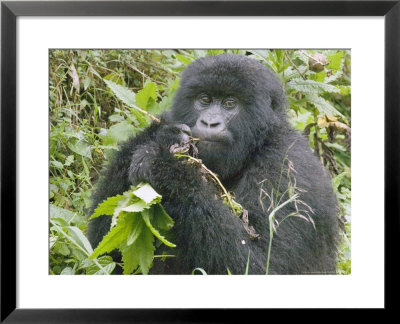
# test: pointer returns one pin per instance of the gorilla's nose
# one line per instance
(209, 124)
(210, 127)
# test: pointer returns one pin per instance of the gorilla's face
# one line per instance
(213, 117)
(212, 127)
(229, 102)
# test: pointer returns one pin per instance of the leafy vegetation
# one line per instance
(101, 97)
(137, 217)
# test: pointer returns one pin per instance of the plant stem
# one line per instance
(271, 218)
(78, 246)
(145, 113)
(228, 196)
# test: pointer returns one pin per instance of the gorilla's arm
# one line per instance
(206, 233)
(113, 181)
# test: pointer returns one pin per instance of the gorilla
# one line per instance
(235, 107)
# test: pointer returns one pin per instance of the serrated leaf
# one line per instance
(115, 237)
(322, 105)
(107, 207)
(122, 93)
(136, 229)
(310, 86)
(139, 254)
(134, 215)
(136, 207)
(69, 160)
(146, 217)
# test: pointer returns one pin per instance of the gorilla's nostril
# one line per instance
(204, 123)
(214, 124)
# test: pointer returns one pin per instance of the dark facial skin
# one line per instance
(215, 114)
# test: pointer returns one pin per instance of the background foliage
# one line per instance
(88, 119)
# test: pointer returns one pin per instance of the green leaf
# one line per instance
(57, 212)
(310, 86)
(160, 219)
(80, 147)
(338, 179)
(107, 268)
(322, 105)
(86, 83)
(116, 118)
(67, 271)
(57, 164)
(183, 59)
(115, 237)
(335, 61)
(69, 160)
(146, 217)
(122, 93)
(143, 96)
(319, 77)
(118, 133)
(61, 248)
(134, 216)
(136, 230)
(80, 238)
(140, 253)
(136, 207)
(106, 262)
(107, 207)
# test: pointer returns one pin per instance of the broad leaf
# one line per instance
(122, 93)
(144, 96)
(118, 133)
(146, 217)
(80, 238)
(115, 237)
(140, 253)
(310, 86)
(322, 105)
(107, 207)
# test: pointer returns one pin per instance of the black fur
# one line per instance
(206, 233)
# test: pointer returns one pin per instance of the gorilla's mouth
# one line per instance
(211, 142)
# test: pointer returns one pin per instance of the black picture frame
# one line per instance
(11, 10)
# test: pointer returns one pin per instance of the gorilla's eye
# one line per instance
(205, 100)
(229, 103)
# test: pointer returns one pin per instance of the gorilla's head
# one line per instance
(231, 103)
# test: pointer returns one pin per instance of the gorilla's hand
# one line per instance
(146, 157)
(173, 134)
